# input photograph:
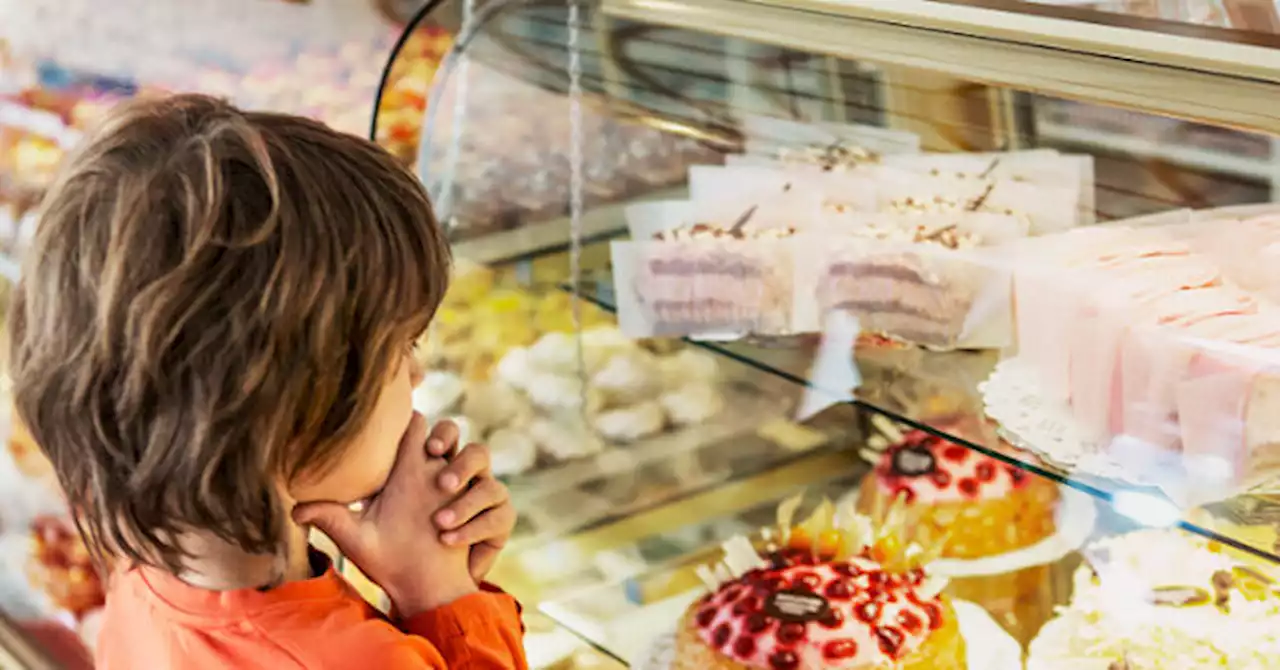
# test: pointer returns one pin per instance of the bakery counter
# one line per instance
(1127, 595)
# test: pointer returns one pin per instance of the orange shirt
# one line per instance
(154, 621)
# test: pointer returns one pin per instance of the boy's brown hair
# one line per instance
(212, 305)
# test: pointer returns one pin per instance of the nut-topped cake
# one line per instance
(830, 593)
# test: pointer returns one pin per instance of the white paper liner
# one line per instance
(987, 645)
(1044, 168)
(767, 136)
(982, 228)
(1076, 516)
(774, 210)
(786, 185)
(1048, 208)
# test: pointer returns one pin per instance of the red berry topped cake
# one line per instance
(62, 567)
(849, 599)
(985, 507)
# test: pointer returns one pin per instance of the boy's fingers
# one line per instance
(444, 439)
(333, 519)
(487, 494)
(410, 454)
(470, 463)
(492, 528)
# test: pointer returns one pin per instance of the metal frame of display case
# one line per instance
(1235, 83)
(18, 653)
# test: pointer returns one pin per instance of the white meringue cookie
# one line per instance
(688, 365)
(629, 378)
(511, 451)
(554, 392)
(515, 367)
(495, 404)
(692, 403)
(437, 394)
(629, 424)
(566, 438)
(555, 352)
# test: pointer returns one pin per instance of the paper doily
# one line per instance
(1033, 422)
(987, 645)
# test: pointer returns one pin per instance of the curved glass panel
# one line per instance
(1030, 319)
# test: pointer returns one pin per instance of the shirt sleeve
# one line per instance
(482, 631)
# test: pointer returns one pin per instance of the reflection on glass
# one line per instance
(1011, 338)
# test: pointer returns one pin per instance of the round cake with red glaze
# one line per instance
(983, 506)
(806, 612)
(61, 567)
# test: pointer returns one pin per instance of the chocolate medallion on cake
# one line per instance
(913, 462)
(796, 605)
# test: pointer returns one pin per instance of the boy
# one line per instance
(212, 342)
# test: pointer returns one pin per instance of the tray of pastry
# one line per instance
(552, 428)
(47, 578)
(558, 410)
(506, 164)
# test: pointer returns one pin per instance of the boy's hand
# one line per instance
(483, 517)
(392, 540)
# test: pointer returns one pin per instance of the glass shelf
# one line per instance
(926, 390)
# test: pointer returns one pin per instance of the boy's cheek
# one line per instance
(366, 463)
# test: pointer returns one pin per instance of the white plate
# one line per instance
(1075, 519)
(987, 645)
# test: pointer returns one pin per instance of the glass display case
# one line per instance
(999, 263)
(984, 280)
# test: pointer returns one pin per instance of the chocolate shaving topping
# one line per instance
(982, 199)
(990, 168)
(736, 228)
(1222, 582)
(1179, 596)
(795, 605)
(913, 462)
